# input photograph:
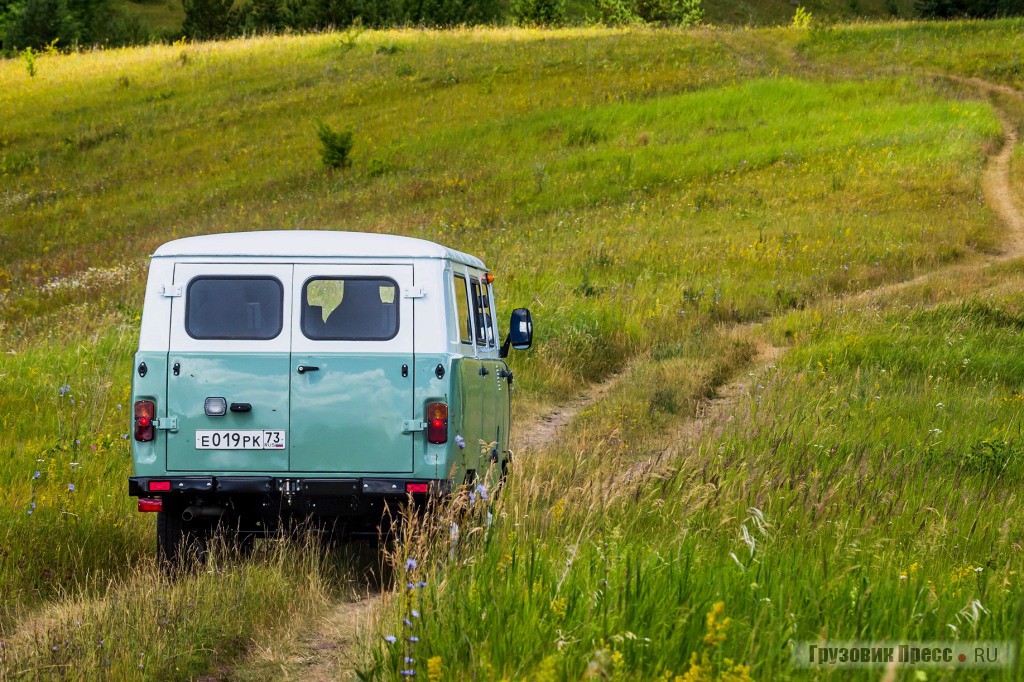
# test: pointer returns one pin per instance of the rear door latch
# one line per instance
(413, 425)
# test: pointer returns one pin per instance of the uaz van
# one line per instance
(313, 374)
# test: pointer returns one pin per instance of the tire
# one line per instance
(179, 543)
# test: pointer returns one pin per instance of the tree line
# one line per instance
(64, 24)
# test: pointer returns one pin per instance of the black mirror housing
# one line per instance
(520, 329)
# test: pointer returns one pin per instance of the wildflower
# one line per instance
(472, 498)
(414, 639)
(434, 669)
(460, 441)
(32, 504)
(410, 564)
(64, 390)
(408, 673)
(124, 436)
(78, 442)
(407, 622)
(29, 512)
(36, 475)
(410, 660)
(74, 464)
(390, 639)
(71, 487)
(482, 489)
(415, 613)
(421, 584)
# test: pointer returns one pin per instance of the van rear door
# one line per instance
(352, 369)
(228, 368)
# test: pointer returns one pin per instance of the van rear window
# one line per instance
(234, 308)
(350, 309)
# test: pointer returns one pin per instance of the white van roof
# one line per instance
(311, 244)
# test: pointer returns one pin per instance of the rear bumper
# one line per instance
(270, 495)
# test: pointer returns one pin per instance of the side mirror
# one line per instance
(520, 331)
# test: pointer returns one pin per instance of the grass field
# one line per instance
(669, 204)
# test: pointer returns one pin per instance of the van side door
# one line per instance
(352, 369)
(228, 368)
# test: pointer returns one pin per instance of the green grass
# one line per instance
(649, 194)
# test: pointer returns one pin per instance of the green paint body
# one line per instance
(345, 419)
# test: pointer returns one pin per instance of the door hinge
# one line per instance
(170, 290)
(166, 424)
(414, 292)
(413, 425)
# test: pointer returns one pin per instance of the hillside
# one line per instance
(789, 258)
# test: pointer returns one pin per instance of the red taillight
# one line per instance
(151, 504)
(416, 487)
(159, 486)
(437, 423)
(145, 410)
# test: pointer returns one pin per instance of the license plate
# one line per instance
(240, 440)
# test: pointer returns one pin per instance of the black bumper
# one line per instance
(271, 494)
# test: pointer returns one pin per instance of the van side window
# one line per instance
(243, 308)
(482, 305)
(350, 309)
(462, 309)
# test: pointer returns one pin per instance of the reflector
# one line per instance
(416, 487)
(151, 504)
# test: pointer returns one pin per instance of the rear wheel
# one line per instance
(180, 543)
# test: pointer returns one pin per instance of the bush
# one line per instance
(206, 19)
(538, 12)
(946, 9)
(335, 146)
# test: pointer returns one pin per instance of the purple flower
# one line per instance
(482, 489)
(71, 487)
(64, 390)
(410, 564)
(460, 441)
(421, 584)
(410, 586)
(410, 660)
(472, 498)
(78, 442)
(32, 504)
(414, 639)
(409, 673)
(390, 639)
(408, 623)
(36, 475)
(29, 512)
(415, 613)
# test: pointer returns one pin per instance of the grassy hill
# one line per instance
(675, 207)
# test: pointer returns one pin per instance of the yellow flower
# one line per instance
(434, 669)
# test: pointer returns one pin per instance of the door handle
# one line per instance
(241, 407)
(302, 369)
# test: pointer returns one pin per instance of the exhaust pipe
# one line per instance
(202, 511)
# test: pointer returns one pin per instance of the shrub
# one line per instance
(205, 19)
(538, 12)
(335, 146)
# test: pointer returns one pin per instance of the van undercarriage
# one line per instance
(191, 508)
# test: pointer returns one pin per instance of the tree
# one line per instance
(205, 19)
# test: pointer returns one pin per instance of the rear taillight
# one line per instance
(417, 487)
(437, 423)
(145, 412)
(151, 504)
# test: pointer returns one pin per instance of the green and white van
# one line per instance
(303, 374)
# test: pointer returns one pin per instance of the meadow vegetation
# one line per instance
(670, 204)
